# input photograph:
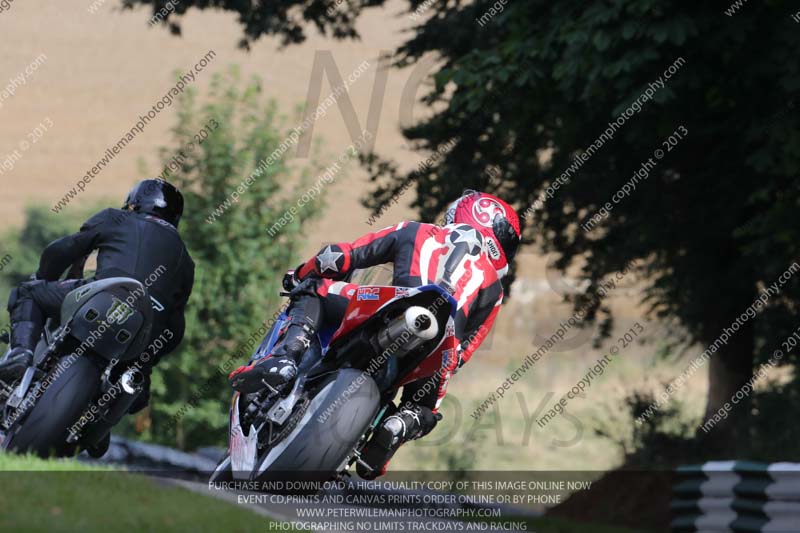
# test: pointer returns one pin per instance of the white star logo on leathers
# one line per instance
(327, 260)
(469, 236)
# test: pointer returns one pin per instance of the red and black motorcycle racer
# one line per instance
(468, 256)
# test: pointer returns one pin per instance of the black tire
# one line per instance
(44, 430)
(222, 472)
(325, 437)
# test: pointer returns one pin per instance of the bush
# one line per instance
(216, 147)
(23, 246)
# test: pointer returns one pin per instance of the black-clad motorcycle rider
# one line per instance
(139, 241)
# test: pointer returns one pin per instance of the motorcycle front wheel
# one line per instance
(338, 415)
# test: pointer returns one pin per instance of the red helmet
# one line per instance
(495, 219)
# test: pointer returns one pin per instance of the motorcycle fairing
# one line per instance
(369, 300)
(242, 448)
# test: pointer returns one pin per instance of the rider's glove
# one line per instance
(290, 280)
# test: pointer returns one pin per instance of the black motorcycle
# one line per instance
(86, 372)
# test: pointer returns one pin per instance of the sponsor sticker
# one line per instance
(81, 293)
(119, 312)
(491, 246)
(446, 355)
(368, 293)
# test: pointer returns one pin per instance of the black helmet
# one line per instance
(157, 198)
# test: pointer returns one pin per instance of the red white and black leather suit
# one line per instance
(452, 256)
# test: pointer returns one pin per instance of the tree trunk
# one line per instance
(729, 370)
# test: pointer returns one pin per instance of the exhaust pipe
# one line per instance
(409, 330)
(132, 381)
(421, 322)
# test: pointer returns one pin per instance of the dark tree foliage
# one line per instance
(527, 91)
(288, 19)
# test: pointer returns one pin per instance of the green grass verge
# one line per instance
(65, 495)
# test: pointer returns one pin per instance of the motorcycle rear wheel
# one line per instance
(45, 429)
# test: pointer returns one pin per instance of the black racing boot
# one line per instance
(408, 423)
(96, 451)
(24, 336)
(280, 367)
(15, 363)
